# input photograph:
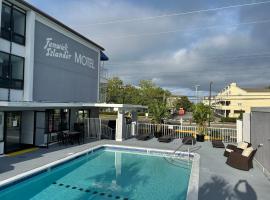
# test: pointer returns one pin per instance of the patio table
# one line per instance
(74, 136)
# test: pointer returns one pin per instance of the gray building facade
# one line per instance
(260, 136)
(64, 70)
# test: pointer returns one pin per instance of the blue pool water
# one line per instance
(106, 174)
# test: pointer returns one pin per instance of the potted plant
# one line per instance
(159, 113)
(201, 114)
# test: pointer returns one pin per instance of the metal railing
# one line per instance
(175, 131)
(106, 132)
(178, 131)
(224, 134)
(97, 128)
(128, 128)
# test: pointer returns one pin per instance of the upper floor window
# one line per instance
(11, 71)
(13, 24)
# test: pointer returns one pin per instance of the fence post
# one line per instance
(239, 131)
(99, 135)
(133, 129)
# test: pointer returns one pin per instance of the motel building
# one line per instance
(49, 77)
(234, 100)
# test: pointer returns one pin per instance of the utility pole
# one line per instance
(210, 91)
(196, 88)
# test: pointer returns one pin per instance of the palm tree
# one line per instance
(201, 114)
(159, 111)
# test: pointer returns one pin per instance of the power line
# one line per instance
(220, 57)
(175, 14)
(262, 53)
(185, 30)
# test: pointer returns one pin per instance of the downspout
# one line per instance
(10, 51)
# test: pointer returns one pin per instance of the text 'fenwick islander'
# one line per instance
(60, 50)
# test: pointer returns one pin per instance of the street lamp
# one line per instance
(196, 88)
(210, 91)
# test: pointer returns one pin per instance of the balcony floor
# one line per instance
(217, 180)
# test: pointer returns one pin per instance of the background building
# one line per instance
(234, 100)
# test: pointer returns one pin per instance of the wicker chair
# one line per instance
(233, 148)
(236, 160)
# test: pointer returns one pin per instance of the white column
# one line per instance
(120, 125)
(0, 10)
(239, 127)
(134, 123)
(246, 127)
(29, 56)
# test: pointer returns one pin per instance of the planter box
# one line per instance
(200, 138)
(157, 134)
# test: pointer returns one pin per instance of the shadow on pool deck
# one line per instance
(219, 188)
(13, 165)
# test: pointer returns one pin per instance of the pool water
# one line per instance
(107, 174)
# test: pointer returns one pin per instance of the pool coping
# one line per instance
(193, 186)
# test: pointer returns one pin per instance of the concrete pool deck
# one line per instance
(217, 180)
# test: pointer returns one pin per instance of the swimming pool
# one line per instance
(107, 173)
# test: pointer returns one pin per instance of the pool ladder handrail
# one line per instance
(188, 149)
(178, 148)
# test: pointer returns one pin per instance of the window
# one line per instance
(17, 66)
(11, 71)
(57, 120)
(5, 21)
(13, 24)
(82, 114)
(4, 70)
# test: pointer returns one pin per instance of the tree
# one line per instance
(130, 94)
(115, 90)
(147, 93)
(201, 114)
(159, 111)
(185, 103)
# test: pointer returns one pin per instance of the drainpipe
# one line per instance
(9, 61)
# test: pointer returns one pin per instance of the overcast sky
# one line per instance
(180, 51)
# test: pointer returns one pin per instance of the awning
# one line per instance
(103, 57)
(4, 105)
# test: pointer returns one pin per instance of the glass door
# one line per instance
(13, 131)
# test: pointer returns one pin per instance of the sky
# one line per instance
(175, 51)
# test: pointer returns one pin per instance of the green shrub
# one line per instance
(228, 119)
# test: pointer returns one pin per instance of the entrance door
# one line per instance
(40, 128)
(13, 131)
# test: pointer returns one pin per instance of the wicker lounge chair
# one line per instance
(238, 161)
(218, 144)
(144, 137)
(233, 148)
(165, 139)
(189, 140)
